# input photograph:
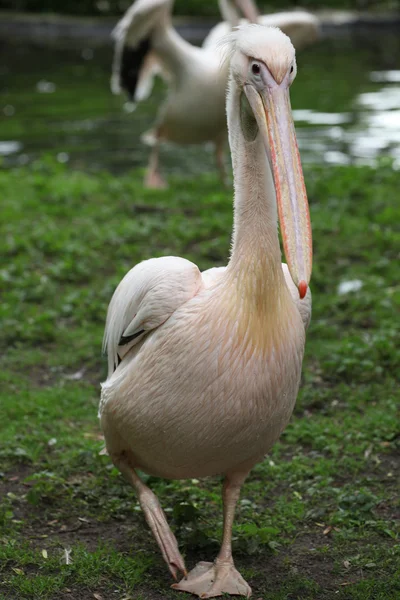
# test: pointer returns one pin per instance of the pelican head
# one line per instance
(263, 66)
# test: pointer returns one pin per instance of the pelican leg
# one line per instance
(153, 178)
(155, 517)
(220, 160)
(209, 580)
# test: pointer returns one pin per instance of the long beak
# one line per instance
(273, 114)
(248, 9)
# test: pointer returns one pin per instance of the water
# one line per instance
(346, 103)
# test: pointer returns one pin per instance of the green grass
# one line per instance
(318, 519)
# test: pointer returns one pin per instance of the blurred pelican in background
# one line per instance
(146, 44)
(302, 27)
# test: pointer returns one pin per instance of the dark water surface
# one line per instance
(346, 103)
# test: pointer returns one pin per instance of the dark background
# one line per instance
(185, 7)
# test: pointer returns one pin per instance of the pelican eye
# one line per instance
(255, 69)
(291, 69)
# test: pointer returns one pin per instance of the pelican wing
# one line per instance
(145, 298)
(149, 71)
(302, 27)
(211, 276)
(132, 36)
(230, 18)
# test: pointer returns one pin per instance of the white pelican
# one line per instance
(302, 27)
(194, 111)
(204, 369)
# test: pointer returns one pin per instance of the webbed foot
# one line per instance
(209, 580)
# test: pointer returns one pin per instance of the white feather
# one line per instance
(145, 298)
(302, 27)
(151, 68)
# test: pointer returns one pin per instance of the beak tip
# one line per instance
(302, 289)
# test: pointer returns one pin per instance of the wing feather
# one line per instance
(132, 36)
(145, 298)
(302, 27)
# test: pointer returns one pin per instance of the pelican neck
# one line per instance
(255, 239)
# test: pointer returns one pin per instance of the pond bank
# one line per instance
(51, 28)
(59, 101)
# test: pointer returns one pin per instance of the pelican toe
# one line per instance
(210, 580)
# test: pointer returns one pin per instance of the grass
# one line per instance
(318, 519)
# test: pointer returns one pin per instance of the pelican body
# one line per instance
(204, 368)
(194, 110)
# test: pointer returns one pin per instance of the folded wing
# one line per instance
(145, 298)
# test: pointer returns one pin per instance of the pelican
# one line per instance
(194, 111)
(302, 27)
(204, 368)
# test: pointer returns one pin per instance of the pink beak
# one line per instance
(273, 114)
